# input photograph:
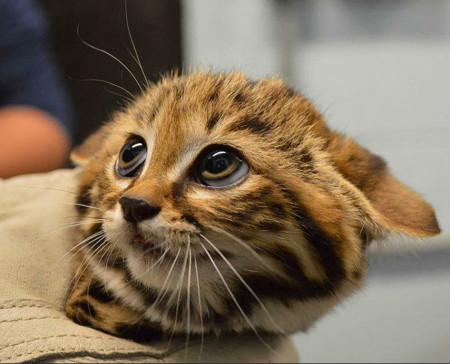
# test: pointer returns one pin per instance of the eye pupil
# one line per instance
(218, 162)
(131, 151)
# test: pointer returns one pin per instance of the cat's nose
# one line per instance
(136, 210)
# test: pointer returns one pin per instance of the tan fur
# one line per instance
(309, 205)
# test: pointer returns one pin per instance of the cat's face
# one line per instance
(237, 188)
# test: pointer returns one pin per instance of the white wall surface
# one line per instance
(380, 72)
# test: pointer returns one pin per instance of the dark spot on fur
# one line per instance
(286, 290)
(265, 191)
(277, 210)
(117, 263)
(306, 157)
(252, 83)
(271, 226)
(83, 321)
(288, 261)
(252, 200)
(303, 159)
(239, 99)
(376, 164)
(87, 308)
(177, 191)
(327, 143)
(190, 219)
(319, 241)
(83, 199)
(263, 286)
(358, 274)
(179, 91)
(232, 215)
(99, 293)
(302, 288)
(214, 95)
(245, 237)
(254, 125)
(230, 222)
(154, 112)
(322, 243)
(286, 145)
(291, 92)
(212, 121)
(174, 310)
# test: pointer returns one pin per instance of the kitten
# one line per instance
(220, 204)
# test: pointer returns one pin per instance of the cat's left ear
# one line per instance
(393, 206)
(81, 154)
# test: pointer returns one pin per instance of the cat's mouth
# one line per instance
(139, 239)
(151, 249)
(160, 248)
(144, 243)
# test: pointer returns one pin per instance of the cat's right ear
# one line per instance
(82, 154)
(394, 206)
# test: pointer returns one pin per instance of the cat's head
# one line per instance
(239, 188)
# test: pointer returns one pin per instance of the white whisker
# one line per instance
(84, 263)
(252, 292)
(82, 242)
(160, 259)
(244, 245)
(163, 292)
(246, 318)
(138, 61)
(177, 291)
(199, 309)
(97, 252)
(113, 247)
(82, 246)
(47, 188)
(109, 55)
(108, 83)
(120, 95)
(188, 300)
(67, 226)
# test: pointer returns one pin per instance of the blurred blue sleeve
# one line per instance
(29, 74)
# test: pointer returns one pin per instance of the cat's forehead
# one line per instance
(203, 104)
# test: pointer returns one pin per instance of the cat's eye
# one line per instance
(131, 157)
(220, 166)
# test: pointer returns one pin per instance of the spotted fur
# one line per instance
(288, 241)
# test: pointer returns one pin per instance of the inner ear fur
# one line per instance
(402, 209)
(82, 153)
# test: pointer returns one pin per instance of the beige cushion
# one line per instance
(35, 274)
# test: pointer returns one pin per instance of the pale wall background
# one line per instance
(380, 71)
